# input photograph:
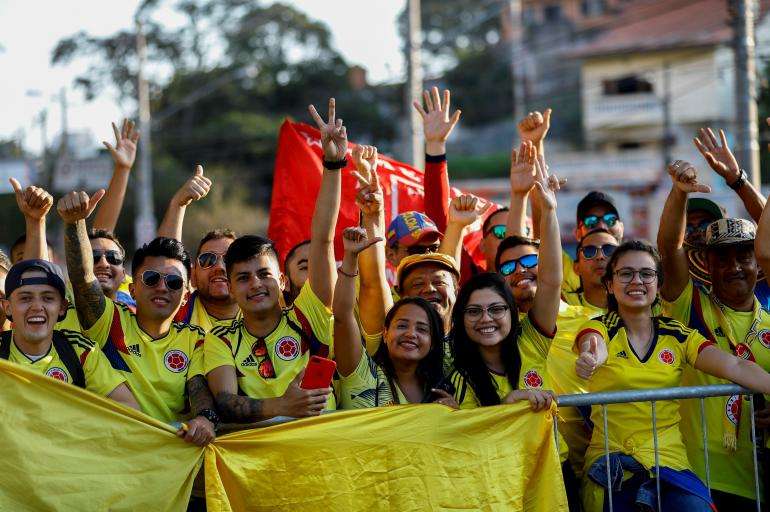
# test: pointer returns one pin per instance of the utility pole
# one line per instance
(747, 143)
(63, 148)
(513, 34)
(414, 85)
(668, 133)
(144, 223)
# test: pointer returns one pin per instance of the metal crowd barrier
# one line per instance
(653, 396)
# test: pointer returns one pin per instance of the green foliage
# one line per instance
(494, 165)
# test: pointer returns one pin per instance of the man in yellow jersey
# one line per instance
(161, 360)
(255, 366)
(593, 252)
(211, 304)
(36, 301)
(109, 257)
(728, 315)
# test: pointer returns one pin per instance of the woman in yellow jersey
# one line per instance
(408, 365)
(630, 348)
(499, 358)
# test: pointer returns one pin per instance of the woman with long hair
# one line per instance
(408, 364)
(631, 348)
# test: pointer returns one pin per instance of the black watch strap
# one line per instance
(211, 415)
(332, 166)
(738, 183)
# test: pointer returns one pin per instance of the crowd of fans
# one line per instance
(225, 336)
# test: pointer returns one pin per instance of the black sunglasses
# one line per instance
(113, 257)
(421, 249)
(590, 252)
(209, 259)
(151, 278)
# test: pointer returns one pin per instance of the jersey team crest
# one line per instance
(764, 337)
(175, 361)
(287, 348)
(532, 379)
(666, 356)
(57, 373)
(732, 407)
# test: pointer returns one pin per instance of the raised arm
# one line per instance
(671, 232)
(74, 209)
(347, 336)
(321, 264)
(437, 124)
(522, 182)
(374, 297)
(463, 211)
(123, 154)
(762, 240)
(534, 127)
(723, 162)
(545, 307)
(34, 203)
(194, 189)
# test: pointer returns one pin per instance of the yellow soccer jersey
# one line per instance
(570, 280)
(674, 347)
(368, 386)
(730, 470)
(100, 377)
(576, 298)
(156, 370)
(194, 313)
(70, 321)
(266, 366)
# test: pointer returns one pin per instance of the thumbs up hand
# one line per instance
(593, 354)
(194, 189)
(34, 202)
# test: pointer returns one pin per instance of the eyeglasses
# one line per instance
(497, 230)
(526, 261)
(495, 311)
(626, 275)
(209, 259)
(591, 221)
(697, 228)
(151, 278)
(113, 257)
(590, 252)
(421, 249)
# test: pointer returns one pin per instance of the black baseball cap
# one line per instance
(592, 199)
(53, 276)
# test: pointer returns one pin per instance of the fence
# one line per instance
(657, 395)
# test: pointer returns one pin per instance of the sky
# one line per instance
(30, 84)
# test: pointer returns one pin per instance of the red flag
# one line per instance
(297, 179)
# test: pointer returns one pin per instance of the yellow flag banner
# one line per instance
(413, 457)
(64, 448)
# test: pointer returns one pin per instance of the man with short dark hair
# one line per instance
(161, 360)
(35, 300)
(109, 259)
(295, 266)
(211, 304)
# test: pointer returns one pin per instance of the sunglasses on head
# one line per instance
(113, 257)
(421, 249)
(526, 261)
(497, 230)
(152, 278)
(592, 221)
(209, 259)
(590, 252)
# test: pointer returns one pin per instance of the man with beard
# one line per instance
(161, 360)
(211, 304)
(728, 315)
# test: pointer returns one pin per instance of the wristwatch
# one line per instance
(738, 183)
(211, 415)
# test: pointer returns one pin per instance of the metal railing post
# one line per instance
(657, 455)
(704, 427)
(754, 452)
(607, 456)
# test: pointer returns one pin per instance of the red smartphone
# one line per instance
(318, 373)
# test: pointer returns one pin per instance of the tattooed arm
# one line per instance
(90, 301)
(200, 430)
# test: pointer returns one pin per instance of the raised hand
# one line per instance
(354, 240)
(34, 202)
(546, 185)
(334, 135)
(590, 358)
(523, 168)
(465, 210)
(77, 206)
(369, 198)
(124, 151)
(194, 189)
(436, 121)
(534, 127)
(719, 157)
(685, 177)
